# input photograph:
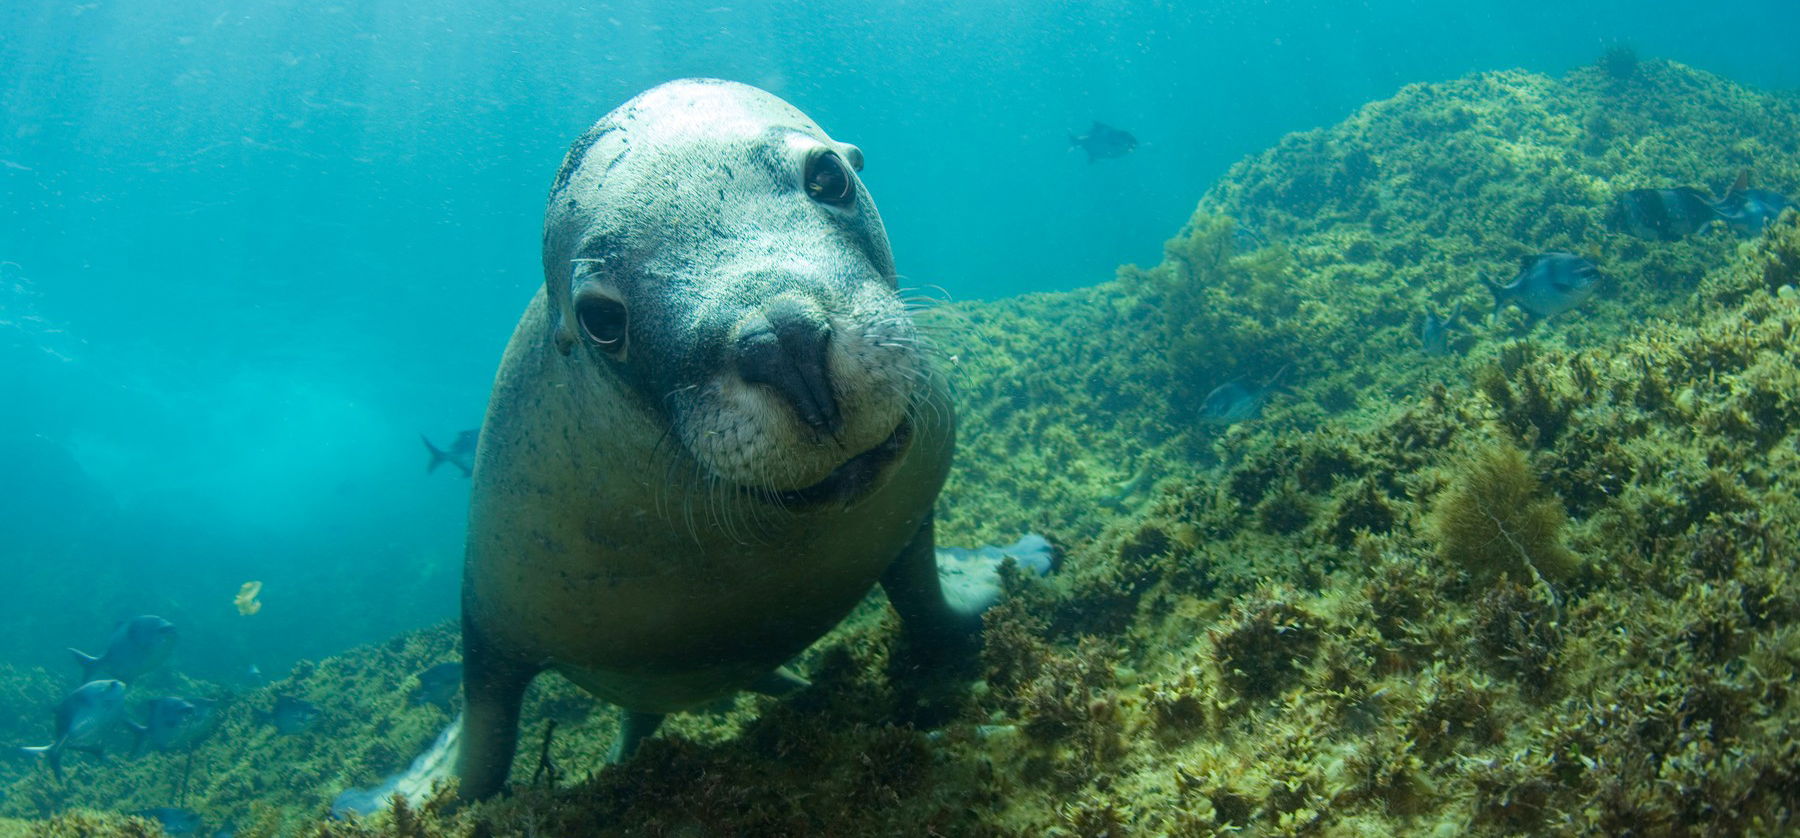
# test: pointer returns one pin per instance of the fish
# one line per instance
(291, 715)
(1128, 488)
(1747, 210)
(1237, 401)
(172, 723)
(1662, 214)
(1104, 142)
(137, 646)
(1434, 334)
(461, 453)
(1670, 214)
(1246, 239)
(81, 717)
(1547, 284)
(174, 821)
(438, 685)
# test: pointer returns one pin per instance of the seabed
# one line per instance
(1544, 583)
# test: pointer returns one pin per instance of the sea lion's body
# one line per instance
(584, 554)
(712, 431)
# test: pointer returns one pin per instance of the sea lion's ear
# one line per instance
(852, 154)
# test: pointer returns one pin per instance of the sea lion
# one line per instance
(714, 429)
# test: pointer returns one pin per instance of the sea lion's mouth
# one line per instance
(854, 478)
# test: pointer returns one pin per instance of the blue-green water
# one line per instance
(250, 250)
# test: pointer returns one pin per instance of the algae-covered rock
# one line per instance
(1494, 520)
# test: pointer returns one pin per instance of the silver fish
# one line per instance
(1547, 284)
(1434, 334)
(81, 717)
(1236, 400)
(137, 646)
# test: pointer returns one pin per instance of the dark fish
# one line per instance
(1547, 284)
(1236, 401)
(172, 723)
(1746, 210)
(460, 454)
(174, 821)
(80, 719)
(1103, 142)
(137, 646)
(1662, 214)
(1245, 238)
(1434, 334)
(292, 715)
(438, 685)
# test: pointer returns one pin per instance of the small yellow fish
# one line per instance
(246, 598)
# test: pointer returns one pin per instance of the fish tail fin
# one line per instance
(1499, 292)
(438, 457)
(51, 753)
(140, 734)
(1742, 183)
(1275, 384)
(85, 661)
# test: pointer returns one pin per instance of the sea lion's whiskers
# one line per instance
(724, 510)
(667, 435)
(774, 496)
(664, 499)
(931, 291)
(924, 400)
(687, 502)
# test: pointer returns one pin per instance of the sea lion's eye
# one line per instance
(827, 180)
(603, 319)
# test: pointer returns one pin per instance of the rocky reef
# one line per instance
(1540, 582)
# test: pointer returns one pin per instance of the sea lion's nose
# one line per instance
(786, 352)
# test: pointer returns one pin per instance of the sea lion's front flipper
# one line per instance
(929, 619)
(779, 682)
(494, 686)
(634, 727)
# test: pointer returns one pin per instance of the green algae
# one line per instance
(1495, 521)
(1278, 628)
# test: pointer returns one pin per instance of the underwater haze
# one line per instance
(252, 250)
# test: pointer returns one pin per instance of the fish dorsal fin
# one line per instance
(1742, 183)
(1274, 382)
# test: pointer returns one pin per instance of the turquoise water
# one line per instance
(252, 249)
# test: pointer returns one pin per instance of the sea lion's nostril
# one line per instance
(788, 355)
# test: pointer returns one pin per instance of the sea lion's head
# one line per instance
(709, 249)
